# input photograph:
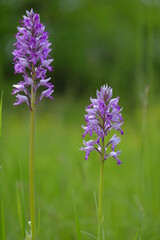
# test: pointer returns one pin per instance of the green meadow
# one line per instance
(62, 177)
(93, 43)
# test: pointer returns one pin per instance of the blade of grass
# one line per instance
(96, 204)
(20, 209)
(1, 114)
(78, 233)
(39, 223)
(2, 228)
(89, 235)
(28, 237)
(2, 221)
(20, 200)
(136, 236)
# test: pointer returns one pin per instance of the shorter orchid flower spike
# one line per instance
(103, 115)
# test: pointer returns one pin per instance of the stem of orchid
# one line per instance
(31, 160)
(100, 217)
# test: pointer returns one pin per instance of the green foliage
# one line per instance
(93, 43)
(131, 191)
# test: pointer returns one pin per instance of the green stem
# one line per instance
(31, 160)
(100, 217)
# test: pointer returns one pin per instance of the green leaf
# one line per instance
(1, 113)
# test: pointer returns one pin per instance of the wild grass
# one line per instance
(131, 191)
(2, 220)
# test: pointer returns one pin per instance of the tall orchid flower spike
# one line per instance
(32, 61)
(103, 116)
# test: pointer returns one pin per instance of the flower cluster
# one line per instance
(32, 60)
(103, 115)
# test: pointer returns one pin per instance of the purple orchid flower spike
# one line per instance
(32, 60)
(103, 115)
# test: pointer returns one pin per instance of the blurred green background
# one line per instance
(94, 42)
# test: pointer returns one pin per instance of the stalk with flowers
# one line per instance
(103, 115)
(32, 60)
